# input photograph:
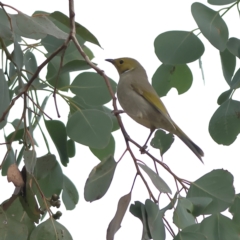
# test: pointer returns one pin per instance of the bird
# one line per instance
(141, 102)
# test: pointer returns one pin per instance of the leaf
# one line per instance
(36, 27)
(167, 77)
(92, 88)
(17, 55)
(90, 127)
(75, 65)
(220, 2)
(80, 30)
(4, 98)
(235, 83)
(162, 141)
(11, 229)
(10, 159)
(50, 229)
(217, 185)
(157, 181)
(70, 195)
(115, 224)
(190, 233)
(224, 125)
(211, 25)
(233, 46)
(224, 96)
(18, 136)
(105, 152)
(99, 179)
(199, 205)
(228, 61)
(178, 47)
(182, 215)
(58, 134)
(71, 150)
(170, 205)
(235, 210)
(14, 176)
(139, 211)
(218, 226)
(155, 221)
(5, 32)
(30, 160)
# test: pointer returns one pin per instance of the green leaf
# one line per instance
(70, 195)
(10, 159)
(10, 228)
(110, 113)
(233, 46)
(75, 65)
(58, 134)
(167, 77)
(90, 127)
(218, 227)
(220, 2)
(178, 47)
(162, 141)
(235, 83)
(105, 152)
(224, 125)
(217, 185)
(4, 98)
(211, 25)
(50, 229)
(224, 96)
(182, 215)
(235, 210)
(138, 210)
(18, 136)
(228, 61)
(80, 30)
(49, 175)
(115, 224)
(99, 179)
(157, 181)
(155, 221)
(30, 160)
(190, 233)
(36, 27)
(71, 150)
(92, 88)
(17, 55)
(199, 205)
(171, 204)
(5, 31)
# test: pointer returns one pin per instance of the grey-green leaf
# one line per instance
(224, 96)
(224, 125)
(30, 160)
(220, 2)
(233, 45)
(90, 127)
(99, 179)
(156, 180)
(178, 47)
(70, 195)
(217, 185)
(4, 98)
(167, 77)
(211, 25)
(115, 224)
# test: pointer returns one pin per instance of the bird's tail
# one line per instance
(196, 149)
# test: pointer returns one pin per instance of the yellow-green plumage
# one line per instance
(141, 102)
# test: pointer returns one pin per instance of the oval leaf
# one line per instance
(92, 89)
(70, 194)
(217, 185)
(224, 125)
(115, 224)
(228, 61)
(99, 179)
(178, 47)
(90, 127)
(211, 25)
(167, 77)
(71, 148)
(233, 46)
(162, 141)
(220, 2)
(58, 134)
(235, 83)
(156, 180)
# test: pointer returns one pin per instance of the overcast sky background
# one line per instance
(128, 29)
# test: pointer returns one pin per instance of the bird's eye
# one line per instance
(121, 61)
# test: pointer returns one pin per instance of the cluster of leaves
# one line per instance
(91, 123)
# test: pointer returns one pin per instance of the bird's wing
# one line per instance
(156, 102)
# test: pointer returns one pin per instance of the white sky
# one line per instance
(128, 29)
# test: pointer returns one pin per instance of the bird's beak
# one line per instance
(110, 60)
